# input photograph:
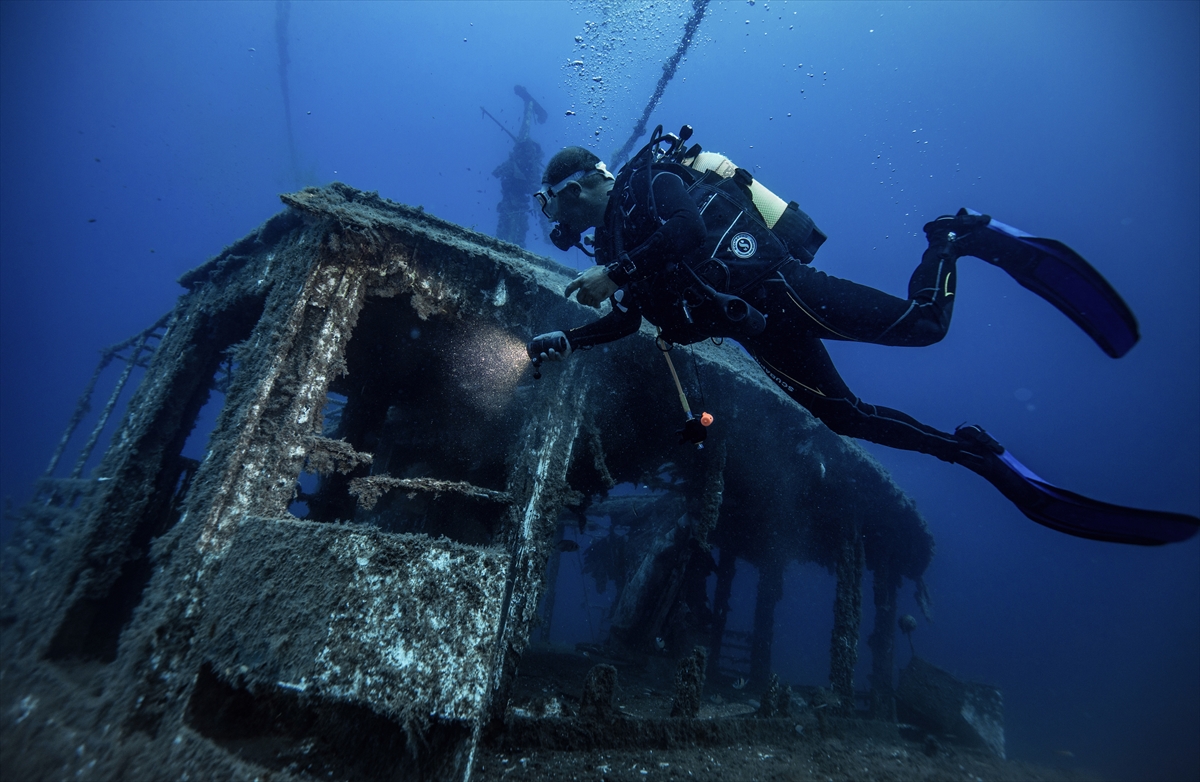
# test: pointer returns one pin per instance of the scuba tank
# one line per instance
(785, 219)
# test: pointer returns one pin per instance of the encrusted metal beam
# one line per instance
(368, 490)
(847, 614)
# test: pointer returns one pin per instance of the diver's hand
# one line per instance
(593, 285)
(551, 346)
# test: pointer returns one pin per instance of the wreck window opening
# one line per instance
(665, 602)
(595, 598)
(804, 623)
(335, 405)
(196, 445)
(434, 402)
(620, 529)
(584, 588)
(307, 485)
(738, 635)
(318, 497)
(211, 401)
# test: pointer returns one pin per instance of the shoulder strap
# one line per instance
(625, 180)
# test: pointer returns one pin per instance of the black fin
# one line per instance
(1084, 517)
(1062, 277)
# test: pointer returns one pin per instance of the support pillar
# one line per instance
(726, 569)
(770, 590)
(847, 615)
(883, 643)
(538, 485)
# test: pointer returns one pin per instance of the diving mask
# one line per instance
(547, 197)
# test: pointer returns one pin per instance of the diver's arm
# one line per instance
(621, 322)
(594, 286)
(624, 319)
(681, 232)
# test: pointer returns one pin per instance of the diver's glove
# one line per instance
(594, 286)
(551, 346)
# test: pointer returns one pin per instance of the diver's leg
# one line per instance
(1047, 267)
(834, 308)
(801, 366)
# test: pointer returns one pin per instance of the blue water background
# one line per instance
(164, 123)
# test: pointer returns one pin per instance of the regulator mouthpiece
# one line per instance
(563, 237)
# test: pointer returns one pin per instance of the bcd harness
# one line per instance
(742, 247)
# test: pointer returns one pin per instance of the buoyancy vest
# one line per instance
(749, 234)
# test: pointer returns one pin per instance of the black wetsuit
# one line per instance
(803, 306)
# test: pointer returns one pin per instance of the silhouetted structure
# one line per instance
(520, 175)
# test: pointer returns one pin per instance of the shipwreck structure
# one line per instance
(345, 584)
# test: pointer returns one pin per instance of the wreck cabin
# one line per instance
(357, 558)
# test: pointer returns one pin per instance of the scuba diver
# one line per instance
(694, 244)
(518, 174)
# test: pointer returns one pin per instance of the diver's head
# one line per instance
(574, 194)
